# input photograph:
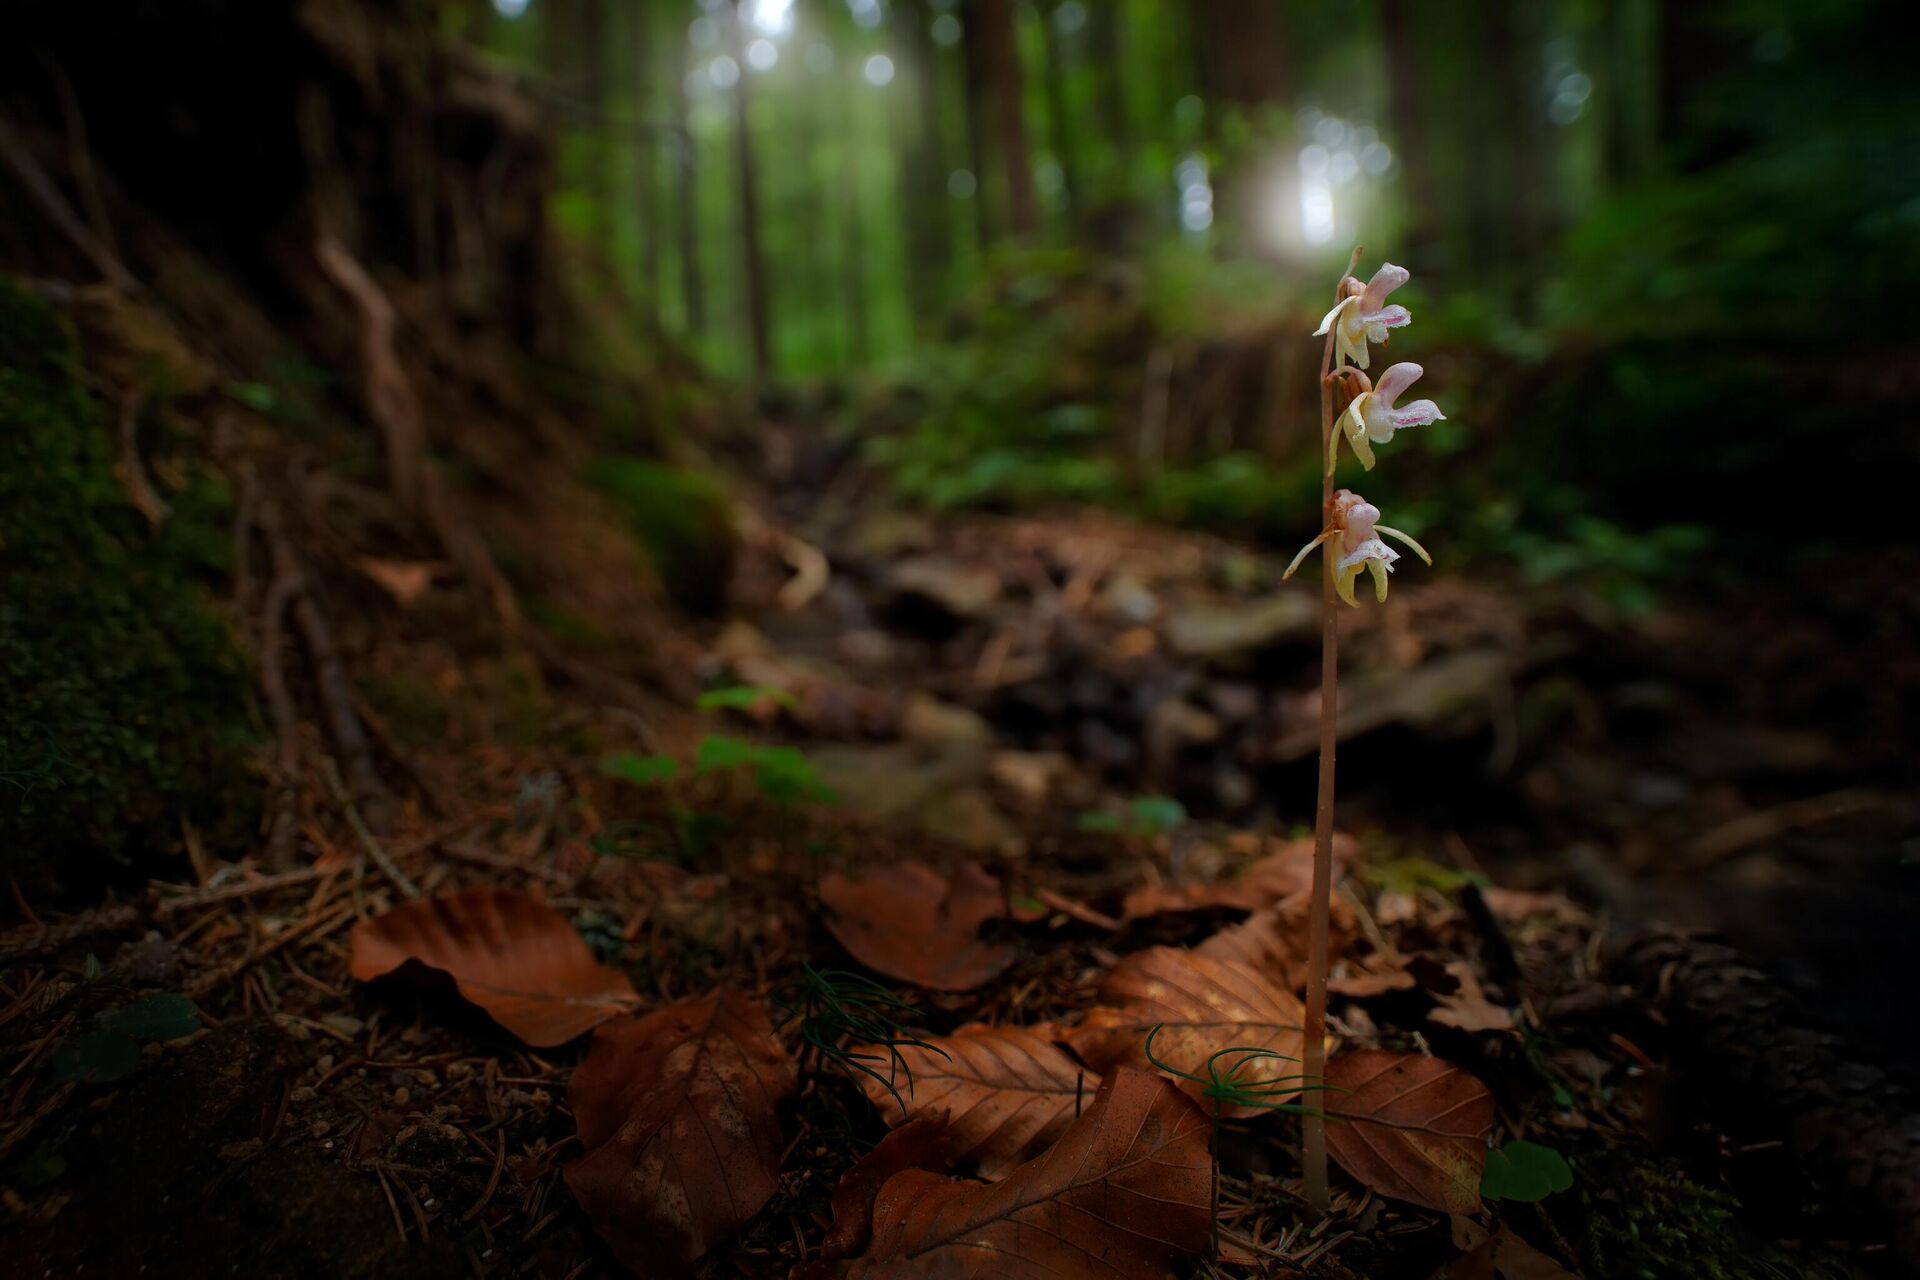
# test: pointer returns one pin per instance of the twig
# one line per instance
(42, 191)
(273, 686)
(366, 837)
(24, 944)
(133, 473)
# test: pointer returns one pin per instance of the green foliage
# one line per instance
(112, 1050)
(783, 774)
(684, 521)
(1143, 816)
(1526, 1171)
(1622, 568)
(1414, 875)
(642, 771)
(834, 1010)
(1224, 1087)
(125, 697)
(745, 697)
(162, 1017)
(1650, 1221)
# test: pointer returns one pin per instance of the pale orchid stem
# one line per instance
(1313, 1066)
(1417, 548)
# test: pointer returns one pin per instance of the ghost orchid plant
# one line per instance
(1350, 538)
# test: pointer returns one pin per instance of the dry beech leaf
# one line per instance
(1505, 1255)
(676, 1112)
(405, 580)
(1008, 1093)
(1285, 872)
(1468, 1008)
(506, 951)
(1121, 1196)
(1202, 1004)
(908, 923)
(920, 1143)
(1410, 1127)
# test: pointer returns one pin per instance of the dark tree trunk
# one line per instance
(923, 204)
(753, 266)
(1406, 108)
(1010, 116)
(980, 104)
(853, 253)
(1060, 127)
(693, 294)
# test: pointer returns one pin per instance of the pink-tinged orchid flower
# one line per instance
(1355, 533)
(1364, 316)
(1374, 416)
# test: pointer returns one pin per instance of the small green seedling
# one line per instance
(835, 1008)
(1143, 816)
(1524, 1171)
(746, 697)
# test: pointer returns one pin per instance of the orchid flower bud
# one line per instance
(1364, 315)
(1373, 417)
(1354, 530)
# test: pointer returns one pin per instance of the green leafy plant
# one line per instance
(1143, 816)
(641, 771)
(1524, 1171)
(783, 774)
(112, 1049)
(745, 697)
(834, 1008)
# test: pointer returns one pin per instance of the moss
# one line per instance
(1649, 1221)
(125, 698)
(684, 521)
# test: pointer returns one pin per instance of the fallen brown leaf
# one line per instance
(1202, 1005)
(1505, 1255)
(908, 923)
(405, 580)
(1467, 1007)
(1008, 1093)
(676, 1113)
(920, 1143)
(506, 951)
(1284, 872)
(1410, 1127)
(1121, 1196)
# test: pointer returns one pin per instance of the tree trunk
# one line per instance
(1107, 35)
(693, 296)
(1060, 130)
(1009, 97)
(928, 235)
(641, 73)
(753, 266)
(979, 95)
(1406, 108)
(853, 254)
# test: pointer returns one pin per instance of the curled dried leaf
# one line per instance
(677, 1113)
(1121, 1196)
(506, 951)
(907, 922)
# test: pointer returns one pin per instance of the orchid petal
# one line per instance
(1304, 551)
(1379, 571)
(1371, 551)
(1353, 424)
(1326, 321)
(1392, 317)
(1343, 585)
(1395, 533)
(1385, 281)
(1397, 379)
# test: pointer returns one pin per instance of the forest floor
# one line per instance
(1051, 756)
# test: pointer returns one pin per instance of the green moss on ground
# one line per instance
(1649, 1221)
(684, 520)
(125, 700)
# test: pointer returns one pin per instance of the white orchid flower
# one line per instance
(1363, 315)
(1355, 533)
(1374, 415)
